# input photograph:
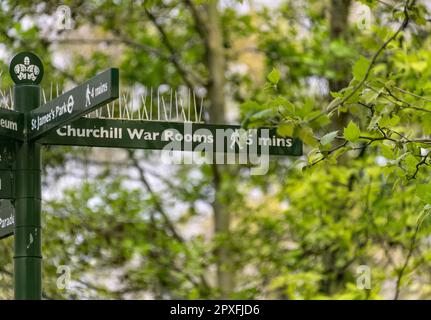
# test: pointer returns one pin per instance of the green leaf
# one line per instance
(360, 68)
(370, 96)
(423, 191)
(306, 135)
(352, 132)
(410, 162)
(387, 151)
(328, 138)
(389, 122)
(274, 76)
(264, 114)
(249, 106)
(282, 104)
(285, 129)
(340, 151)
(370, 3)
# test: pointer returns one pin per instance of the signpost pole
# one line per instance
(28, 253)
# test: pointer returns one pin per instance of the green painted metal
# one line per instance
(7, 154)
(158, 134)
(28, 254)
(7, 218)
(6, 184)
(11, 124)
(74, 104)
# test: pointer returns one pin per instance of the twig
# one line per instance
(406, 262)
(157, 203)
(171, 49)
(422, 162)
(200, 26)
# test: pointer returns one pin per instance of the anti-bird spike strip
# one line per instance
(172, 105)
(152, 106)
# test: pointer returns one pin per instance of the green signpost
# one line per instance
(60, 122)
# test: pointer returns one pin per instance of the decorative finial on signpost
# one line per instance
(26, 68)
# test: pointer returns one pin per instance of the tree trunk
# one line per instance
(338, 26)
(216, 82)
(216, 64)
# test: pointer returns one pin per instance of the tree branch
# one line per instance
(406, 262)
(157, 203)
(200, 26)
(370, 66)
(171, 49)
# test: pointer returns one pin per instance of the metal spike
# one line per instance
(4, 100)
(132, 110)
(119, 106)
(200, 110)
(164, 108)
(126, 106)
(194, 104)
(11, 98)
(108, 111)
(182, 109)
(139, 112)
(158, 104)
(170, 107)
(151, 104)
(43, 95)
(176, 104)
(188, 109)
(3, 95)
(113, 109)
(145, 106)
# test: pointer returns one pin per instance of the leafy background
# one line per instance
(350, 78)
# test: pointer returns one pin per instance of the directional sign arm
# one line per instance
(74, 104)
(11, 124)
(157, 135)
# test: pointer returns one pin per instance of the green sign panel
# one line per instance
(11, 124)
(7, 218)
(6, 184)
(7, 154)
(74, 104)
(175, 136)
